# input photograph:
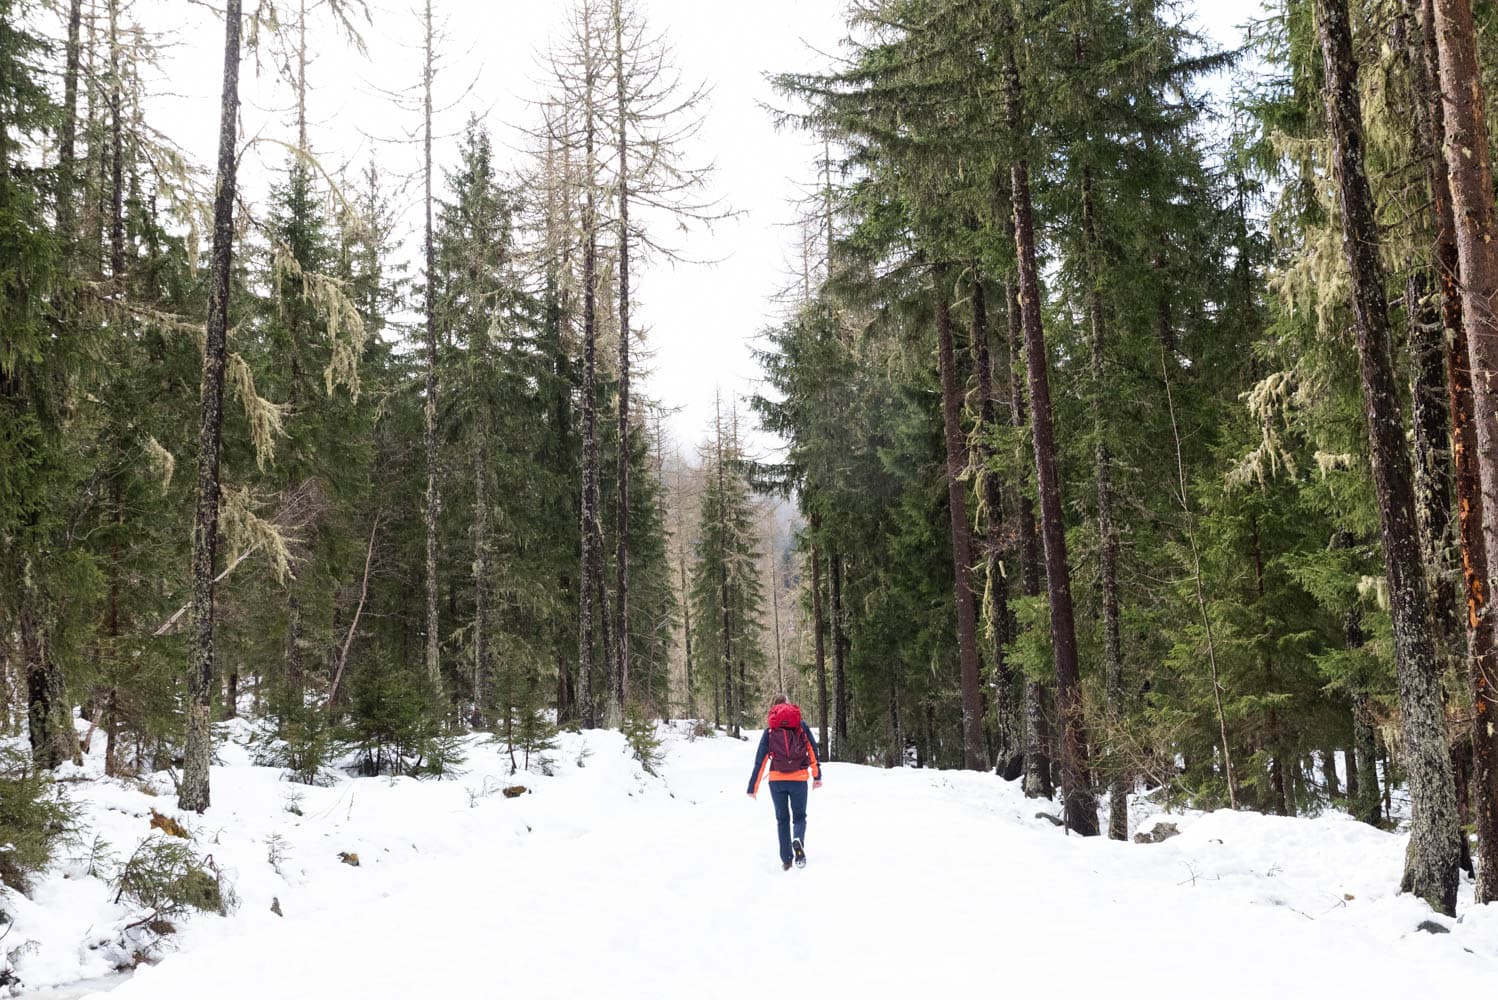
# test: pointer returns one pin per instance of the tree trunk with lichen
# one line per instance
(194, 793)
(1465, 224)
(1431, 863)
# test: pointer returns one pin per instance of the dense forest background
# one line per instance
(1134, 401)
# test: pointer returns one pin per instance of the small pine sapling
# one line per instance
(34, 819)
(644, 743)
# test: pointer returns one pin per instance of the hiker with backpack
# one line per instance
(788, 753)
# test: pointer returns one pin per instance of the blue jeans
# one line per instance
(790, 800)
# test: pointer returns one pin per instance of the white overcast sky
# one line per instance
(700, 320)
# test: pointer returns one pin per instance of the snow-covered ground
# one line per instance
(602, 881)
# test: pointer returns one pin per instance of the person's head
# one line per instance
(779, 699)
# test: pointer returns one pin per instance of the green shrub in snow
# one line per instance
(644, 744)
(33, 819)
(395, 722)
(306, 744)
(165, 878)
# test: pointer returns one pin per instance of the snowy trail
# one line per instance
(920, 883)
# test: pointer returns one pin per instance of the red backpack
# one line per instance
(788, 749)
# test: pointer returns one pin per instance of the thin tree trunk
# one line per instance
(433, 498)
(1081, 806)
(725, 631)
(1000, 621)
(775, 610)
(67, 155)
(621, 541)
(353, 628)
(1467, 260)
(1431, 864)
(194, 792)
(1037, 764)
(1329, 773)
(1362, 773)
(839, 672)
(592, 553)
(962, 543)
(1275, 741)
(819, 626)
(116, 153)
(686, 631)
(1118, 784)
(295, 675)
(481, 570)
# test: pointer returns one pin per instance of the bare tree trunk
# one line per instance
(1275, 741)
(725, 630)
(1000, 621)
(353, 629)
(592, 553)
(962, 543)
(433, 498)
(1037, 764)
(1431, 864)
(686, 636)
(819, 625)
(621, 540)
(1467, 261)
(839, 673)
(775, 610)
(116, 153)
(67, 156)
(481, 570)
(296, 684)
(1118, 784)
(1081, 806)
(194, 793)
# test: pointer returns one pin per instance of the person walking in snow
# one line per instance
(788, 753)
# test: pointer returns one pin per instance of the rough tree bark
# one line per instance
(621, 540)
(962, 542)
(1429, 383)
(481, 568)
(433, 500)
(839, 673)
(1081, 806)
(1467, 261)
(1431, 864)
(592, 552)
(194, 793)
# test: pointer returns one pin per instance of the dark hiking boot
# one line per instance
(800, 853)
(785, 866)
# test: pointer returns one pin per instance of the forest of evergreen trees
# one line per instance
(1136, 398)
